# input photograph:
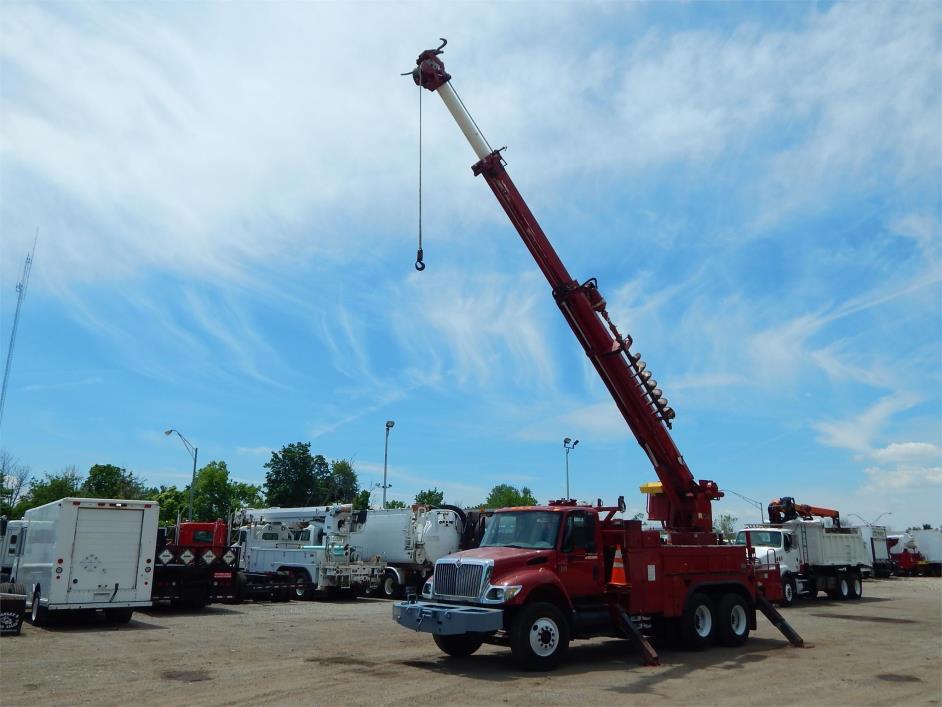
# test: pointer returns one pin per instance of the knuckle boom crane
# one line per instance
(543, 575)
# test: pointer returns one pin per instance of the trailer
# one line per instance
(195, 566)
(813, 557)
(305, 551)
(409, 541)
(87, 554)
(929, 546)
(875, 538)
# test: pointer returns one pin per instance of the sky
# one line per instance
(226, 197)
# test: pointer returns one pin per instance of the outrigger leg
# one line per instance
(635, 636)
(772, 614)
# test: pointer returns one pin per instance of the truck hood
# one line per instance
(508, 558)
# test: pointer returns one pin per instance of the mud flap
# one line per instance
(636, 637)
(777, 620)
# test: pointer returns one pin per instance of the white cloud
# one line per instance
(907, 453)
(858, 433)
(904, 476)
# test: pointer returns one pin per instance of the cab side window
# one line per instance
(580, 533)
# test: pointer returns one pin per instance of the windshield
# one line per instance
(760, 538)
(528, 529)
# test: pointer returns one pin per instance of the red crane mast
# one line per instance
(682, 503)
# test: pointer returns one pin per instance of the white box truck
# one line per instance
(813, 557)
(875, 538)
(86, 554)
(409, 541)
(929, 546)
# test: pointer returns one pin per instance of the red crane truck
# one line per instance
(544, 575)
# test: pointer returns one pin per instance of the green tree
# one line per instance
(214, 496)
(172, 501)
(430, 497)
(291, 479)
(362, 500)
(110, 481)
(53, 487)
(725, 525)
(395, 504)
(342, 484)
(505, 495)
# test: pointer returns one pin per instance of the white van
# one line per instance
(87, 553)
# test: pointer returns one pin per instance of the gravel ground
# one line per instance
(884, 649)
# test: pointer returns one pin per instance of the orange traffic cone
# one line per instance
(618, 568)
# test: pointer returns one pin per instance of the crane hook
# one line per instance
(419, 265)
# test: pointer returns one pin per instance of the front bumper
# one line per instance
(447, 619)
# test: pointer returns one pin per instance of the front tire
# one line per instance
(460, 646)
(789, 590)
(697, 622)
(539, 636)
(732, 615)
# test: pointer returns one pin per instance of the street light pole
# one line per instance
(194, 452)
(568, 447)
(389, 425)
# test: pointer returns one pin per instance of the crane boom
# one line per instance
(681, 503)
(20, 296)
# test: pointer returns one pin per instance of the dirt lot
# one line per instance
(884, 649)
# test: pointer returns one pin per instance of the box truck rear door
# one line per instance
(105, 552)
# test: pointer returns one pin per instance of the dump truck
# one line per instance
(813, 557)
(875, 538)
(929, 546)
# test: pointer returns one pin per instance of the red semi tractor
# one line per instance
(196, 566)
(544, 575)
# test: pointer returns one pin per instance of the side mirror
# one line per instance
(3, 526)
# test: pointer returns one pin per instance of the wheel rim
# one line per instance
(34, 610)
(845, 588)
(737, 620)
(544, 637)
(702, 621)
(858, 587)
(789, 592)
(301, 589)
(389, 586)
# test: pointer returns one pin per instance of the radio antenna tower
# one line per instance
(20, 296)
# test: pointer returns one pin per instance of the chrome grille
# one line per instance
(462, 580)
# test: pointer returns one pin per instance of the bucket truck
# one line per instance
(544, 575)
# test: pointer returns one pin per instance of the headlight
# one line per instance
(427, 590)
(499, 595)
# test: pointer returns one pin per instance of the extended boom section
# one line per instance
(682, 503)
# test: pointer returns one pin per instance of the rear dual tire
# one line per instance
(704, 622)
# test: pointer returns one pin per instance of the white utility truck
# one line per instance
(409, 541)
(85, 554)
(305, 549)
(874, 537)
(10, 534)
(814, 557)
(929, 545)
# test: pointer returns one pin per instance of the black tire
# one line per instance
(539, 636)
(789, 590)
(118, 616)
(390, 587)
(38, 614)
(303, 587)
(460, 646)
(856, 586)
(698, 622)
(732, 620)
(842, 591)
(240, 588)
